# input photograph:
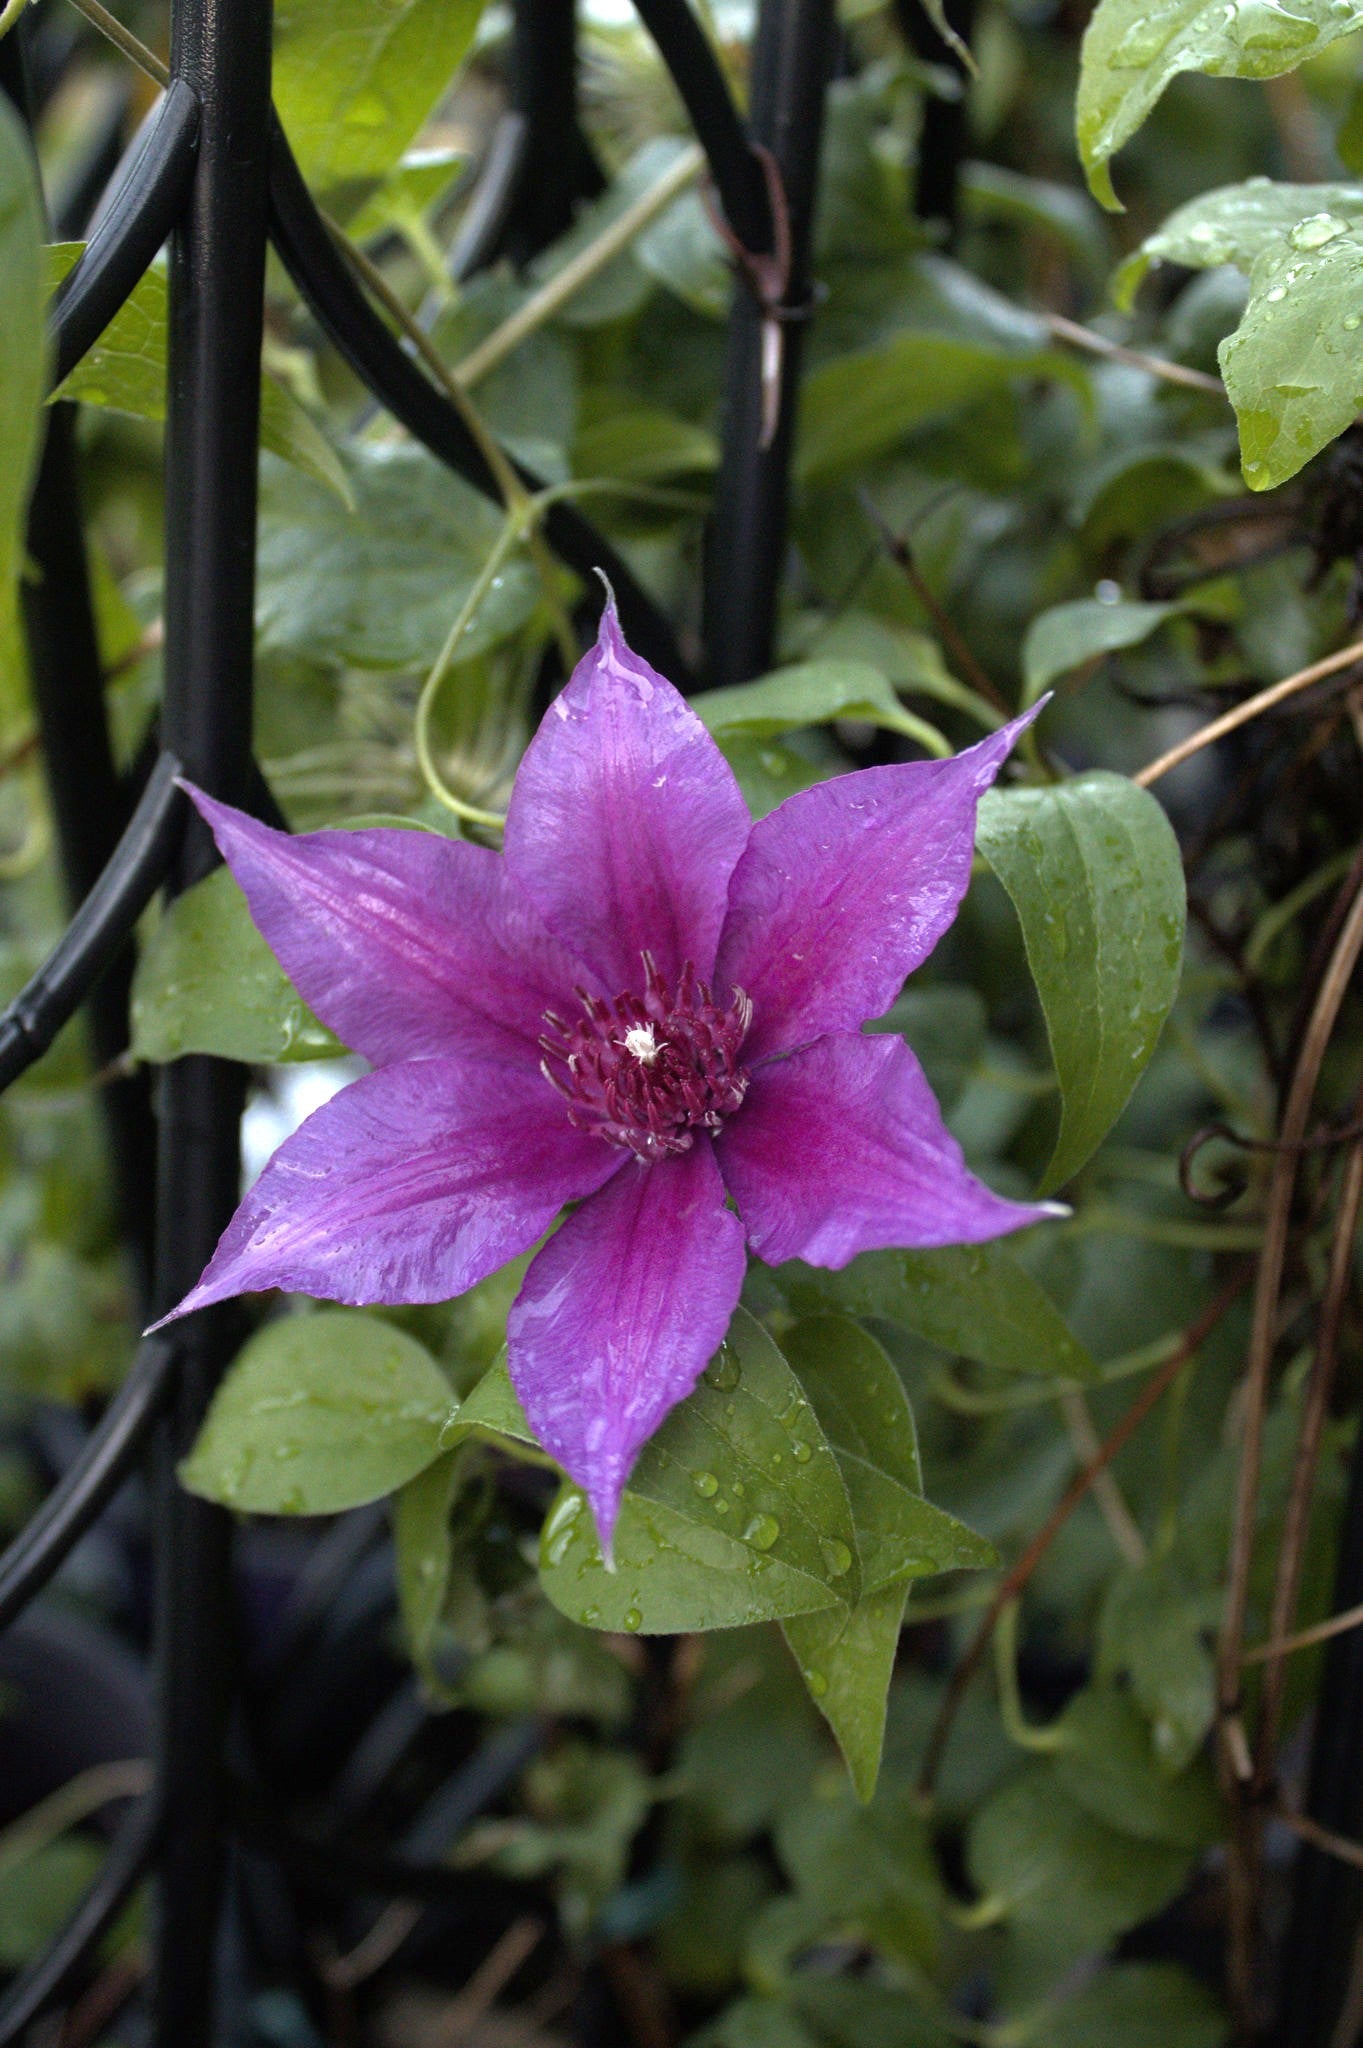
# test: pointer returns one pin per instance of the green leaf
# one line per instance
(1294, 366)
(1133, 2005)
(1068, 635)
(23, 367)
(1107, 1764)
(812, 693)
(320, 1413)
(862, 405)
(1051, 1868)
(618, 437)
(872, 1869)
(492, 1405)
(767, 773)
(682, 251)
(380, 587)
(1133, 49)
(207, 982)
(736, 1511)
(973, 1300)
(125, 371)
(1154, 1630)
(40, 1891)
(1093, 870)
(846, 1657)
(421, 1546)
(354, 81)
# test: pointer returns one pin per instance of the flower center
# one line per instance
(648, 1071)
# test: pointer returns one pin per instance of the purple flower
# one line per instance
(647, 1006)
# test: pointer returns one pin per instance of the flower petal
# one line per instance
(410, 1185)
(841, 1149)
(619, 1315)
(625, 821)
(846, 887)
(405, 944)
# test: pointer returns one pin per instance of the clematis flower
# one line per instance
(647, 1007)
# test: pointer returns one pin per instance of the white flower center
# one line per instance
(641, 1041)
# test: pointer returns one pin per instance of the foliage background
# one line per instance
(1017, 469)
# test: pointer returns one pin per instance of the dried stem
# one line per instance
(1013, 1583)
(1297, 1519)
(1244, 1846)
(1116, 352)
(1231, 721)
(900, 552)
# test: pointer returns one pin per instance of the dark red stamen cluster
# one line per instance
(649, 1071)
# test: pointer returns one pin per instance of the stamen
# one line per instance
(646, 1072)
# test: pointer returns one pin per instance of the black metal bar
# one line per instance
(221, 49)
(791, 65)
(89, 801)
(45, 1980)
(734, 165)
(557, 167)
(88, 1484)
(146, 199)
(99, 927)
(327, 283)
(1327, 1895)
(484, 223)
(943, 134)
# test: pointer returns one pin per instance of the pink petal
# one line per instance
(404, 944)
(619, 1315)
(408, 1186)
(841, 1149)
(626, 821)
(846, 887)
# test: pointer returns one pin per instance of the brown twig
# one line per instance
(1242, 1868)
(1311, 1831)
(1116, 352)
(1231, 721)
(1306, 1638)
(1297, 1518)
(897, 547)
(1013, 1583)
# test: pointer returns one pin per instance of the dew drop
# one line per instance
(763, 1530)
(1351, 323)
(706, 1485)
(836, 1556)
(801, 1452)
(723, 1371)
(739, 1488)
(817, 1683)
(1317, 230)
(590, 1616)
(633, 1620)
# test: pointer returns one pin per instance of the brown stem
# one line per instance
(1013, 1583)
(1297, 1520)
(901, 554)
(1242, 1869)
(1265, 700)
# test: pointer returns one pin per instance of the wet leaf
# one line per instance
(846, 1657)
(735, 1512)
(1133, 49)
(1294, 365)
(973, 1300)
(421, 1549)
(1094, 872)
(319, 1413)
(207, 982)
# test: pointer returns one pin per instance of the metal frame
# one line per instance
(213, 172)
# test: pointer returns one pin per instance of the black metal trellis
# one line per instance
(212, 171)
